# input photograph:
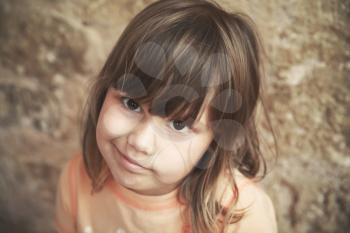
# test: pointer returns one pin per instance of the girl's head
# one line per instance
(167, 149)
(177, 95)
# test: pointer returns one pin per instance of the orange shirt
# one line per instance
(115, 209)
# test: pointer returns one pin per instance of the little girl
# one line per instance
(169, 141)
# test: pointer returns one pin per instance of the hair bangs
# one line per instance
(172, 72)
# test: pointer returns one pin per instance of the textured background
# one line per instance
(50, 51)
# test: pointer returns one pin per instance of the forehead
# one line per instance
(162, 68)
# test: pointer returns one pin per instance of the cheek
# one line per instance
(112, 123)
(176, 160)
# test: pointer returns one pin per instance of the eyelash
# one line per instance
(124, 100)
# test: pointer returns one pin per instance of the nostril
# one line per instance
(138, 150)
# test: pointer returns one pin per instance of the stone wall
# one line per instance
(51, 50)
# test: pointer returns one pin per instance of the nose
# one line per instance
(142, 137)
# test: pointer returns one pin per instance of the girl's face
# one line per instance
(144, 152)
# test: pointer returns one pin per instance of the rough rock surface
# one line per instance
(50, 51)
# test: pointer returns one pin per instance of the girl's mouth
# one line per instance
(128, 163)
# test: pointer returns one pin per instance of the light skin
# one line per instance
(167, 150)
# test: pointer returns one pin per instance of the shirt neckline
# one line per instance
(146, 202)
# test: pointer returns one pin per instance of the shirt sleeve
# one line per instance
(259, 214)
(65, 206)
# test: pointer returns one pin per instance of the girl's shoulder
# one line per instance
(259, 210)
(225, 190)
(73, 172)
(73, 164)
(67, 194)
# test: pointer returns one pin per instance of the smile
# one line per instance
(128, 163)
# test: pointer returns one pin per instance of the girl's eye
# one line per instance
(131, 104)
(179, 126)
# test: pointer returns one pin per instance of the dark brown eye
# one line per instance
(131, 104)
(178, 125)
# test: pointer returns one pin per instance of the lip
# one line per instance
(129, 164)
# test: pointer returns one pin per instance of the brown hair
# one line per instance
(195, 48)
